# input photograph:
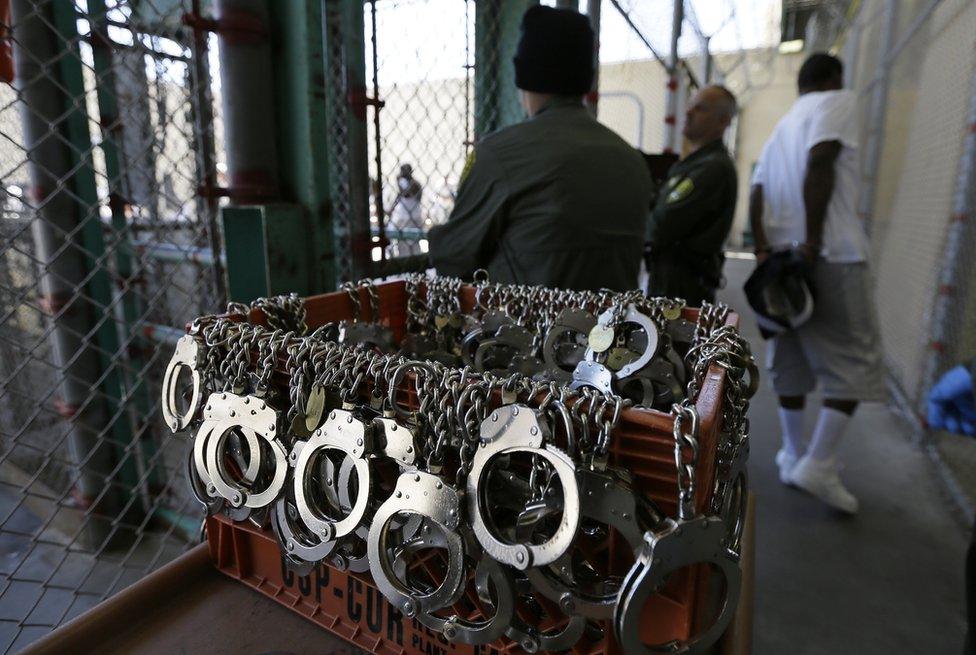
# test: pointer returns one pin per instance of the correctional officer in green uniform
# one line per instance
(693, 212)
(559, 199)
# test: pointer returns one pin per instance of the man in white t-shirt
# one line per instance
(804, 197)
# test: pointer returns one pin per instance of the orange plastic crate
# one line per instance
(350, 606)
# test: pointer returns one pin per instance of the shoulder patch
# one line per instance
(468, 164)
(681, 191)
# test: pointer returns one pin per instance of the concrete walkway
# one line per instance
(889, 580)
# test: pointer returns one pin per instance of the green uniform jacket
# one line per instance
(689, 225)
(557, 200)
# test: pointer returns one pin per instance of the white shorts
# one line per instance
(839, 346)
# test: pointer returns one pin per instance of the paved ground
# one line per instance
(889, 580)
(44, 583)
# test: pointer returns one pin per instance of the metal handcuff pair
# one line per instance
(231, 422)
(227, 412)
(647, 369)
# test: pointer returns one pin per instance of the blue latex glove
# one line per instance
(951, 406)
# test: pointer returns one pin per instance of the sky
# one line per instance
(425, 39)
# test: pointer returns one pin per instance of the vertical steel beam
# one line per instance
(497, 25)
(264, 247)
(874, 139)
(593, 97)
(277, 149)
(346, 103)
(303, 146)
(128, 308)
(671, 142)
(67, 240)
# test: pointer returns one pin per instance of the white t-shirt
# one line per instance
(814, 118)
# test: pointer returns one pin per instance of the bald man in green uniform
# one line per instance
(693, 212)
(559, 199)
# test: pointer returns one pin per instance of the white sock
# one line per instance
(827, 433)
(791, 422)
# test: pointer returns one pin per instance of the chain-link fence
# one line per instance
(912, 64)
(107, 136)
(420, 63)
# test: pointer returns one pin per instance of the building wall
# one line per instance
(757, 118)
(627, 89)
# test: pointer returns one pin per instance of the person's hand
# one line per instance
(950, 404)
(762, 254)
(808, 252)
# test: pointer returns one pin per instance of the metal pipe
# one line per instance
(593, 97)
(671, 143)
(168, 252)
(377, 136)
(877, 112)
(402, 233)
(955, 278)
(636, 30)
(640, 112)
(162, 333)
(247, 89)
(203, 117)
(706, 72)
(128, 306)
(62, 262)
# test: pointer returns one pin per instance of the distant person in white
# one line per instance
(406, 211)
(804, 196)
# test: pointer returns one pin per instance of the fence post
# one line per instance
(206, 148)
(128, 308)
(671, 142)
(593, 97)
(68, 243)
(706, 62)
(346, 105)
(876, 119)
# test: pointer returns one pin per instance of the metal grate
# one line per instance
(923, 69)
(420, 56)
(107, 134)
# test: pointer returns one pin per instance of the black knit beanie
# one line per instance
(555, 52)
